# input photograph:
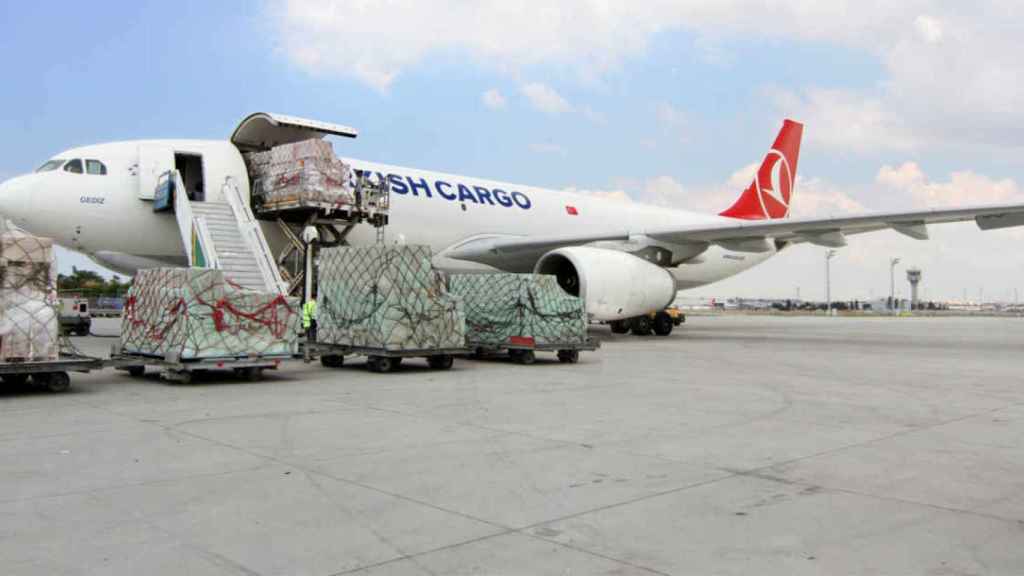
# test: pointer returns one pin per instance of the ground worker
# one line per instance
(309, 319)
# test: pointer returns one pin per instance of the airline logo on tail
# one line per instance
(770, 195)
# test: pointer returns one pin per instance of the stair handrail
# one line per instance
(193, 229)
(252, 235)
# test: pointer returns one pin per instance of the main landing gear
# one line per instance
(660, 323)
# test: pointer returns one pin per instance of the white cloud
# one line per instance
(613, 195)
(929, 29)
(493, 99)
(964, 188)
(544, 98)
(843, 120)
(953, 71)
(549, 148)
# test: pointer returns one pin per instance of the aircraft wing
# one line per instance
(519, 253)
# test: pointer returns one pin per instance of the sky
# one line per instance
(906, 105)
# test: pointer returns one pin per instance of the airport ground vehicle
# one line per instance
(75, 318)
(661, 323)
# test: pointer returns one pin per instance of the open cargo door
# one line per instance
(154, 160)
(262, 131)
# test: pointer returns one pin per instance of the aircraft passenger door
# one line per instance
(154, 160)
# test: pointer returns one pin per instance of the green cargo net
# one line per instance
(386, 297)
(198, 314)
(503, 307)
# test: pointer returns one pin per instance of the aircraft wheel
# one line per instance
(642, 325)
(619, 326)
(568, 356)
(662, 324)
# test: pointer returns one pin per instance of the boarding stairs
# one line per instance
(224, 234)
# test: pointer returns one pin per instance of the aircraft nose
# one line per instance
(12, 200)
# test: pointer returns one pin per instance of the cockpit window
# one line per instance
(74, 166)
(51, 165)
(95, 167)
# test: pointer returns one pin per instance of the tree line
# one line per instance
(89, 284)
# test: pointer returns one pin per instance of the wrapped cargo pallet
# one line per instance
(29, 322)
(194, 314)
(386, 298)
(301, 173)
(502, 308)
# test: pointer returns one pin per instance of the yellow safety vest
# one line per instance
(308, 313)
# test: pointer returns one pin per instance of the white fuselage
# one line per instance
(109, 217)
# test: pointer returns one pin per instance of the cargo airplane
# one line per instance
(626, 260)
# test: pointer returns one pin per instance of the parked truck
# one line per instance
(75, 318)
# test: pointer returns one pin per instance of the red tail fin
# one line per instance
(769, 195)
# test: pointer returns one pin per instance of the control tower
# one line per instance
(914, 277)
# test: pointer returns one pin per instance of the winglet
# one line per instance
(770, 195)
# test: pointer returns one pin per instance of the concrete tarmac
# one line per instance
(738, 445)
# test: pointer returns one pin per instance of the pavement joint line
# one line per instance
(741, 473)
(524, 530)
(826, 487)
(503, 529)
(749, 472)
(102, 489)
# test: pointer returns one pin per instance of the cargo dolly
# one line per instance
(523, 349)
(383, 360)
(50, 374)
(181, 370)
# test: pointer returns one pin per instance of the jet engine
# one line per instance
(613, 284)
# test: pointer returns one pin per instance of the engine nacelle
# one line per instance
(613, 284)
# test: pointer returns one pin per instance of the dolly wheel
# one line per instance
(18, 380)
(136, 371)
(180, 376)
(332, 360)
(252, 373)
(54, 381)
(440, 361)
(525, 357)
(382, 364)
(568, 356)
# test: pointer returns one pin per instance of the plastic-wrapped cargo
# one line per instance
(301, 173)
(503, 307)
(386, 298)
(195, 313)
(29, 322)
